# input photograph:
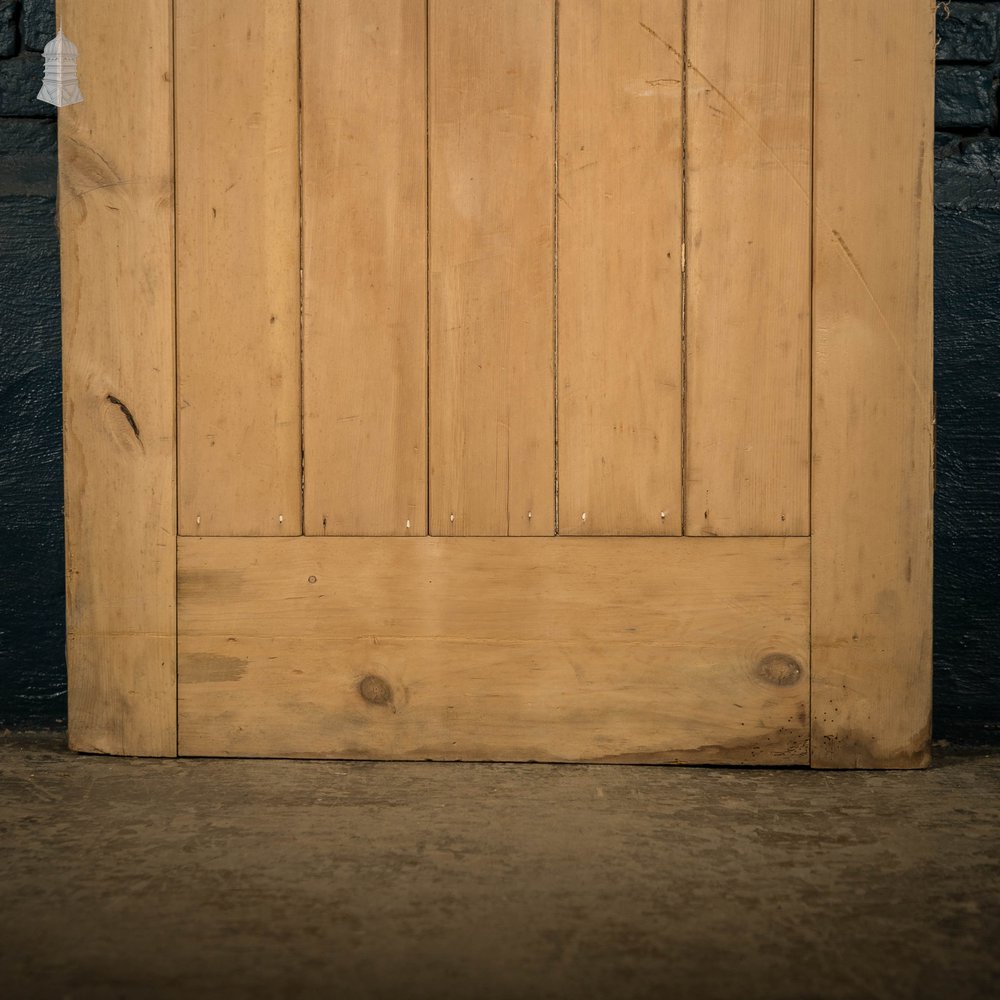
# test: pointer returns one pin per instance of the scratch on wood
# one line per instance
(897, 343)
(848, 253)
(662, 41)
(92, 166)
(753, 131)
(736, 111)
(98, 187)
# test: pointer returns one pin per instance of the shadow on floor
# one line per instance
(163, 878)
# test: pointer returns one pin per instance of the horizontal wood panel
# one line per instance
(653, 650)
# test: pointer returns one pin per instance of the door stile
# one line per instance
(116, 218)
(872, 384)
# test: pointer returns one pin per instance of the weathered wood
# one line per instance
(619, 236)
(872, 403)
(626, 649)
(644, 650)
(238, 316)
(116, 226)
(748, 266)
(365, 267)
(492, 433)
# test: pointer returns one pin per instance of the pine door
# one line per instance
(500, 379)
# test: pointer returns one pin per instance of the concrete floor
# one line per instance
(199, 878)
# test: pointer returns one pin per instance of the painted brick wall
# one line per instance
(32, 622)
(967, 276)
(967, 375)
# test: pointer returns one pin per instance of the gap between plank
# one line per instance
(427, 269)
(812, 366)
(684, 268)
(302, 283)
(176, 400)
(555, 264)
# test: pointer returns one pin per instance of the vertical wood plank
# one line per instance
(492, 451)
(116, 223)
(238, 343)
(873, 409)
(365, 267)
(620, 180)
(748, 259)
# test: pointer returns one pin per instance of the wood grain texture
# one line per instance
(644, 650)
(619, 222)
(365, 267)
(492, 451)
(873, 408)
(748, 260)
(238, 316)
(116, 227)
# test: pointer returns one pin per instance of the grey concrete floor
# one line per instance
(202, 878)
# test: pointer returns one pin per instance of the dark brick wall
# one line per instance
(32, 622)
(967, 373)
(967, 277)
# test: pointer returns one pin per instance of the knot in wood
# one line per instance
(375, 690)
(779, 669)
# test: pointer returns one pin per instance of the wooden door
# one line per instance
(500, 379)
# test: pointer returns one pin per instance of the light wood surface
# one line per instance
(238, 343)
(116, 226)
(365, 267)
(873, 403)
(430, 168)
(542, 649)
(492, 451)
(619, 278)
(748, 259)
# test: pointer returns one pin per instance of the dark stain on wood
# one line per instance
(857, 750)
(785, 746)
(213, 668)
